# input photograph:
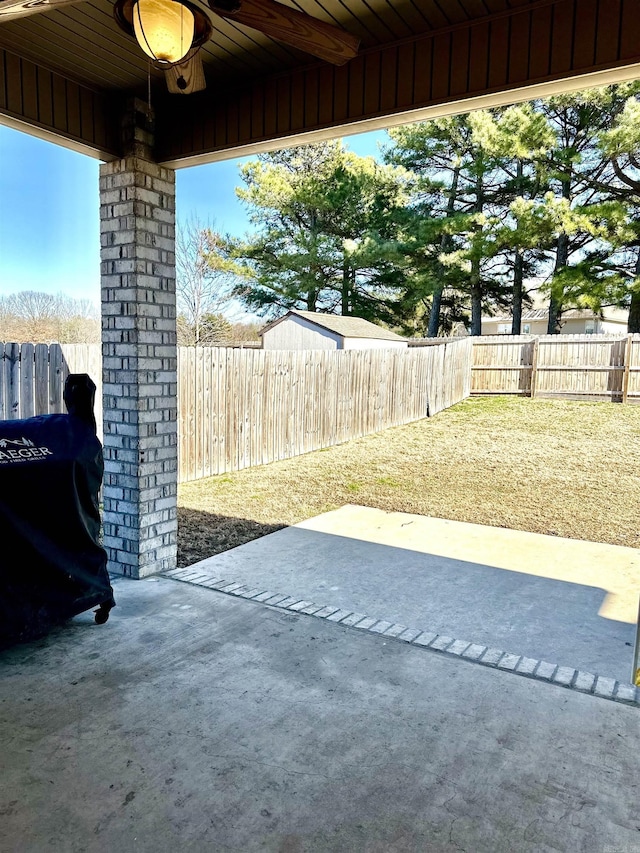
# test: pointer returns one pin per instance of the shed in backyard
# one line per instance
(298, 330)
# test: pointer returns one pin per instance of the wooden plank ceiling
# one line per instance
(83, 42)
(413, 53)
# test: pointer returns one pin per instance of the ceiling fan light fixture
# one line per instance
(164, 29)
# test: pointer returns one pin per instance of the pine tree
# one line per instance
(326, 231)
(578, 168)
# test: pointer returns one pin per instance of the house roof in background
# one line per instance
(611, 315)
(346, 327)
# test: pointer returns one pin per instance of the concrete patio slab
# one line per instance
(194, 721)
(563, 600)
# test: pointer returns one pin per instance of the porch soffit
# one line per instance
(65, 74)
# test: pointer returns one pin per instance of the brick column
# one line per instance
(137, 214)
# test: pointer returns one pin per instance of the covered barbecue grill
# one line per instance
(52, 564)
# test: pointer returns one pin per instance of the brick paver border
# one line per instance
(539, 670)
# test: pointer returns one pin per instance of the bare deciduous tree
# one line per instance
(204, 281)
(31, 316)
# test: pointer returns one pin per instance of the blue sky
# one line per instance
(49, 211)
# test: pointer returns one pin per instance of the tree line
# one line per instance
(36, 317)
(459, 216)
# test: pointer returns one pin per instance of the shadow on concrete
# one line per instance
(541, 617)
(197, 722)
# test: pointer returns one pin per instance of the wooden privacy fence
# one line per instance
(239, 408)
(582, 367)
(242, 407)
(32, 377)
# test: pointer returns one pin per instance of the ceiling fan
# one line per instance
(171, 32)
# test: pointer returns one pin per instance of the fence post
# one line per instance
(534, 367)
(627, 368)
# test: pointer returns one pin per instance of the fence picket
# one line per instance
(27, 384)
(41, 379)
(12, 381)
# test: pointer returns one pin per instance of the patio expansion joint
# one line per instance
(537, 670)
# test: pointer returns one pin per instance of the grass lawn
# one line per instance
(548, 466)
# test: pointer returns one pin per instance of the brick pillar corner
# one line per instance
(137, 236)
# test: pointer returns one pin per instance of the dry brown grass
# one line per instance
(557, 467)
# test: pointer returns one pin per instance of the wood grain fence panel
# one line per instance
(193, 413)
(438, 375)
(56, 378)
(201, 415)
(268, 431)
(256, 404)
(252, 412)
(240, 380)
(330, 390)
(288, 365)
(271, 425)
(218, 379)
(369, 395)
(310, 425)
(581, 367)
(502, 364)
(354, 422)
(434, 360)
(226, 411)
(234, 405)
(589, 367)
(448, 374)
(3, 406)
(406, 412)
(278, 420)
(300, 403)
(27, 381)
(633, 385)
(207, 411)
(190, 413)
(362, 391)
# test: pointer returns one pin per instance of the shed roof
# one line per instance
(346, 327)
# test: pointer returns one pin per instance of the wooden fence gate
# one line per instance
(579, 367)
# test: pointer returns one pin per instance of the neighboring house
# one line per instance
(575, 321)
(299, 330)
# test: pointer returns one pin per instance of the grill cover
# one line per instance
(52, 565)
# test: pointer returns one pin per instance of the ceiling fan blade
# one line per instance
(11, 9)
(292, 27)
(187, 77)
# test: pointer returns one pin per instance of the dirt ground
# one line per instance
(547, 466)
